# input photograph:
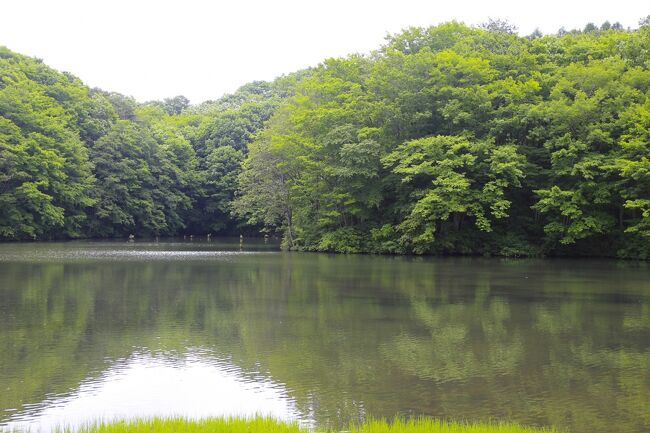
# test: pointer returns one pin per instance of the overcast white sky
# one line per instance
(152, 49)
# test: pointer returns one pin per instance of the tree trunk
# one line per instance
(620, 217)
(289, 228)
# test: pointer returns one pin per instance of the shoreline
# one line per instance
(259, 241)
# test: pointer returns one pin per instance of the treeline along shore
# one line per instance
(445, 140)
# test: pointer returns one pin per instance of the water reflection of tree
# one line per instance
(348, 336)
(448, 352)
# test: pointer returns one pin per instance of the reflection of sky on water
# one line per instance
(143, 386)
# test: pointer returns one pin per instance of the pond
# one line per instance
(98, 330)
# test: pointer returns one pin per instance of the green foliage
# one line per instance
(223, 167)
(261, 424)
(448, 139)
(76, 162)
(343, 240)
(45, 178)
(123, 161)
(264, 198)
(452, 178)
(454, 139)
(257, 424)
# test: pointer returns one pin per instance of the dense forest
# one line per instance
(446, 140)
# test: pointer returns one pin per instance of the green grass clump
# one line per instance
(270, 425)
(433, 425)
(184, 425)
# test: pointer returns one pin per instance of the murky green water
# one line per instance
(91, 330)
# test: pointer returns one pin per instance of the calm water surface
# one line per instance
(94, 330)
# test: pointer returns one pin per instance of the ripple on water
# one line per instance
(151, 252)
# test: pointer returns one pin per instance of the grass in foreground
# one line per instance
(270, 425)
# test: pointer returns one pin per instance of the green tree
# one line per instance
(453, 179)
(264, 197)
(45, 179)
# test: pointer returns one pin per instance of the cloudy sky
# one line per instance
(152, 49)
